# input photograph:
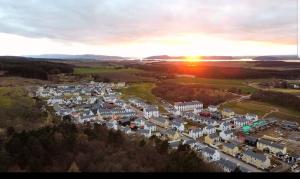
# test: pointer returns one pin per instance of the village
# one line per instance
(218, 135)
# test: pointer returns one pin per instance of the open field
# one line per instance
(260, 108)
(290, 91)
(10, 95)
(217, 83)
(96, 70)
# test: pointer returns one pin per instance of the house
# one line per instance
(198, 110)
(210, 154)
(160, 121)
(139, 122)
(151, 111)
(227, 135)
(126, 129)
(112, 125)
(227, 165)
(191, 142)
(212, 139)
(174, 144)
(251, 117)
(227, 113)
(187, 106)
(240, 122)
(86, 118)
(231, 149)
(209, 130)
(195, 133)
(224, 126)
(144, 132)
(212, 108)
(177, 125)
(150, 126)
(211, 122)
(250, 140)
(171, 135)
(270, 146)
(256, 159)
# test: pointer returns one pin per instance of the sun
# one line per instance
(192, 58)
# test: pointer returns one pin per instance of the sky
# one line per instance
(140, 28)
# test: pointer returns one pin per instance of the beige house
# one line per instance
(227, 113)
(162, 122)
(171, 135)
(231, 149)
(212, 139)
(256, 159)
(271, 146)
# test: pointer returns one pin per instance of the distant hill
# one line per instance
(276, 57)
(78, 57)
(165, 57)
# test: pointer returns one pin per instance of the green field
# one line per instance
(290, 91)
(96, 70)
(261, 108)
(143, 91)
(10, 95)
(217, 83)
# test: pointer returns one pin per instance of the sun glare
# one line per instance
(192, 58)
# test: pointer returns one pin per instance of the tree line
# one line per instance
(32, 68)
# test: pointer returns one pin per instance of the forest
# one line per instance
(173, 92)
(86, 148)
(277, 98)
(32, 68)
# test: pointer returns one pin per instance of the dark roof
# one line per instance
(270, 143)
(174, 144)
(227, 164)
(250, 138)
(213, 135)
(209, 150)
(230, 145)
(257, 156)
(190, 141)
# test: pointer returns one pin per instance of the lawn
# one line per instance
(217, 83)
(96, 70)
(9, 95)
(143, 91)
(261, 108)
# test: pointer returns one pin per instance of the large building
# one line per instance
(160, 121)
(187, 106)
(270, 146)
(256, 159)
(151, 111)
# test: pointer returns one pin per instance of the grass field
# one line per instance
(261, 108)
(290, 91)
(217, 83)
(96, 70)
(143, 91)
(9, 95)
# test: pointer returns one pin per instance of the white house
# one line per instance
(210, 154)
(198, 110)
(139, 122)
(144, 132)
(252, 117)
(227, 165)
(150, 126)
(224, 126)
(196, 133)
(191, 142)
(209, 130)
(151, 111)
(212, 108)
(177, 125)
(227, 135)
(112, 124)
(187, 106)
(240, 122)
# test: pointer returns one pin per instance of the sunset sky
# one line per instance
(140, 28)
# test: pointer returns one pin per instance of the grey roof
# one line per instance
(257, 156)
(250, 138)
(227, 110)
(210, 127)
(160, 119)
(196, 130)
(190, 141)
(227, 164)
(174, 144)
(213, 135)
(226, 124)
(228, 132)
(143, 131)
(151, 108)
(230, 145)
(209, 150)
(188, 103)
(270, 143)
(170, 132)
(149, 124)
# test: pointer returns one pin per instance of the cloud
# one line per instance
(108, 22)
